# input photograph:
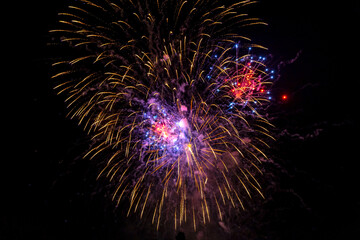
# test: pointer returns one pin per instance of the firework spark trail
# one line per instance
(172, 96)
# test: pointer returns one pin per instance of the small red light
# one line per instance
(284, 97)
(262, 90)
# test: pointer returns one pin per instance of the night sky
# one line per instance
(50, 192)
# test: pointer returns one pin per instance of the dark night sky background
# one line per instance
(51, 193)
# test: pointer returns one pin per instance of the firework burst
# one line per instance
(173, 98)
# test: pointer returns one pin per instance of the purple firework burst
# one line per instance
(174, 100)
